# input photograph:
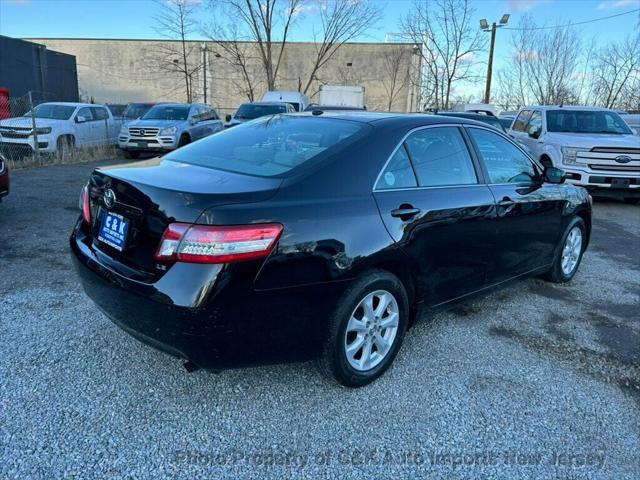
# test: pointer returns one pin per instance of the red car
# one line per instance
(4, 177)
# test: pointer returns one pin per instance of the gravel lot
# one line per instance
(533, 381)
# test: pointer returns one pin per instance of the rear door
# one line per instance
(434, 204)
(529, 211)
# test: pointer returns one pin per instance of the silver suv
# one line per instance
(168, 126)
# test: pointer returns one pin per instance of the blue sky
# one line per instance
(134, 18)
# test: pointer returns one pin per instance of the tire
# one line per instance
(558, 273)
(184, 140)
(632, 200)
(335, 363)
(64, 146)
(131, 155)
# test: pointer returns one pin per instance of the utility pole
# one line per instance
(484, 25)
(204, 70)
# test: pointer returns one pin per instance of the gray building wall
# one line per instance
(120, 71)
(27, 66)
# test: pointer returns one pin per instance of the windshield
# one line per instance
(586, 121)
(167, 112)
(269, 146)
(249, 111)
(52, 111)
(134, 111)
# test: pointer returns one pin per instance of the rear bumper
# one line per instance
(209, 315)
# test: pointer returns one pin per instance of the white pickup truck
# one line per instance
(59, 128)
(594, 146)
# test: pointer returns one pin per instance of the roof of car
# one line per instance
(410, 120)
(563, 107)
(479, 116)
(74, 104)
(266, 103)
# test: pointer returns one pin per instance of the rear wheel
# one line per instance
(569, 252)
(130, 154)
(366, 330)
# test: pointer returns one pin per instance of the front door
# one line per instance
(436, 209)
(529, 212)
(84, 131)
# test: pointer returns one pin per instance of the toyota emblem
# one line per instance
(623, 159)
(109, 198)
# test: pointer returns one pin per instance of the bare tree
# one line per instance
(449, 38)
(267, 23)
(395, 73)
(616, 72)
(342, 21)
(176, 21)
(544, 66)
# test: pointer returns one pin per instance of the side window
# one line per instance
(213, 115)
(521, 121)
(535, 121)
(195, 113)
(440, 157)
(504, 161)
(99, 113)
(86, 113)
(398, 172)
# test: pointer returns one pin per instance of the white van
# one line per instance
(299, 100)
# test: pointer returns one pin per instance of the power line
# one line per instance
(573, 24)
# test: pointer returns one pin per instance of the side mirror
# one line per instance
(554, 175)
(534, 132)
(80, 119)
(227, 118)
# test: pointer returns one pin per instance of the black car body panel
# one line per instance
(336, 225)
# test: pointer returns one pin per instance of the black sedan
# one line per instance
(301, 236)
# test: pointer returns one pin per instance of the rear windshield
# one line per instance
(250, 111)
(586, 121)
(52, 111)
(167, 112)
(268, 146)
(134, 111)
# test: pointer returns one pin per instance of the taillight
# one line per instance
(84, 204)
(182, 242)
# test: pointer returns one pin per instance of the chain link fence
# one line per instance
(34, 131)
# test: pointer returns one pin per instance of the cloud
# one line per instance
(615, 4)
(524, 5)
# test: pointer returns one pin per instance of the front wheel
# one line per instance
(64, 146)
(569, 252)
(366, 330)
(184, 140)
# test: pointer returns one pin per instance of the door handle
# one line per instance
(405, 212)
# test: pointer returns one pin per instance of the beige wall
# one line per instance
(121, 71)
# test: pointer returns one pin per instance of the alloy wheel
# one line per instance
(371, 330)
(571, 251)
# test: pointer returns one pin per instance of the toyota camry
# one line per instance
(319, 235)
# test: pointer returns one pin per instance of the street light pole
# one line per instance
(484, 25)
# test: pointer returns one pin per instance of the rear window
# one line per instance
(269, 146)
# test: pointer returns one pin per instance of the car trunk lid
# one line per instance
(150, 195)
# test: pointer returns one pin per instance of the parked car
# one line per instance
(116, 109)
(168, 126)
(332, 108)
(253, 110)
(506, 122)
(480, 117)
(594, 145)
(60, 126)
(302, 236)
(299, 100)
(135, 110)
(4, 177)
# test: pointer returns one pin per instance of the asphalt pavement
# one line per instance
(533, 381)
